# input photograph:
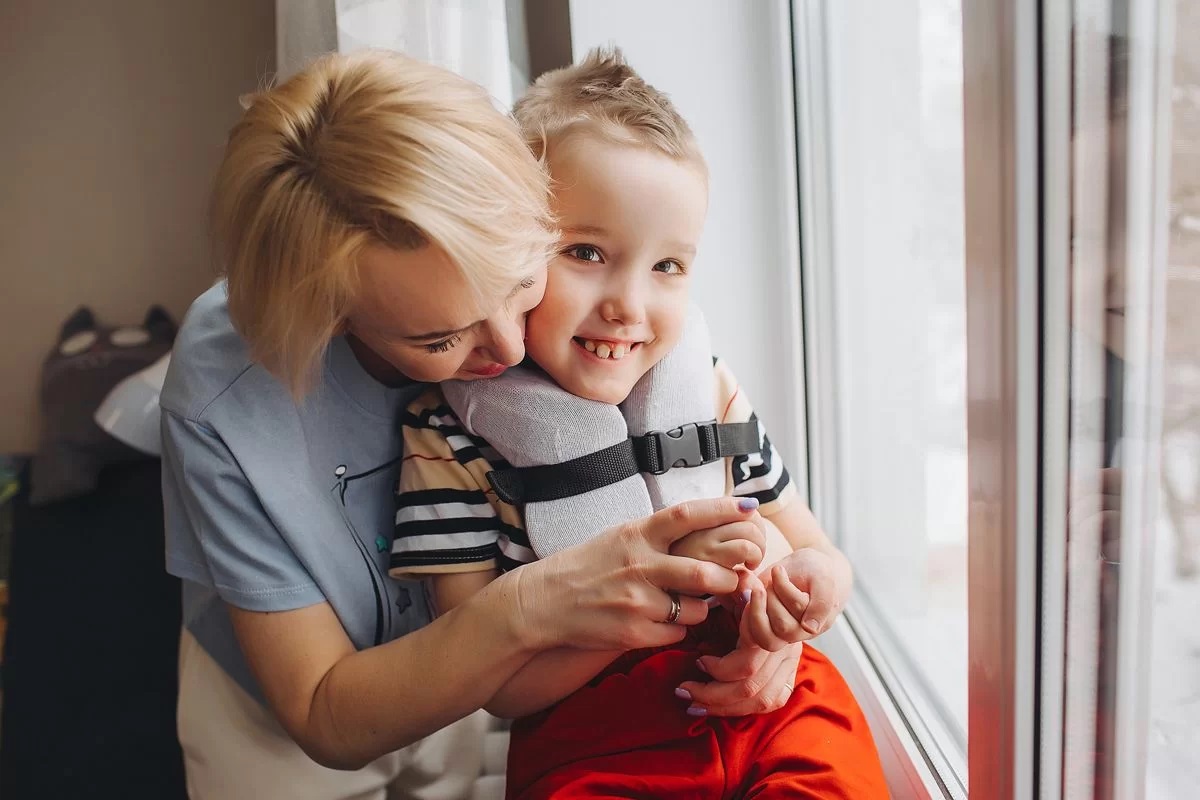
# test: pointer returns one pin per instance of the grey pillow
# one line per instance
(84, 366)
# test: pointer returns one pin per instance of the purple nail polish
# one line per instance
(748, 503)
(700, 666)
(697, 711)
(744, 597)
(682, 693)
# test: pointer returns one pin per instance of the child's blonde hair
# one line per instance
(369, 148)
(603, 95)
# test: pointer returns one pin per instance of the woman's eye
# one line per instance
(669, 267)
(442, 346)
(585, 252)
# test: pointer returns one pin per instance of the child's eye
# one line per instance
(585, 252)
(669, 267)
(444, 345)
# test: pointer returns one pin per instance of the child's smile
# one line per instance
(606, 349)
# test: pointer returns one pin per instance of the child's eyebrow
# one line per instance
(586, 230)
(684, 247)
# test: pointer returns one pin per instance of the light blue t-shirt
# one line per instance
(271, 504)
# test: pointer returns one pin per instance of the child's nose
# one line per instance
(624, 305)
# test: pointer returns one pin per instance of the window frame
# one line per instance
(1020, 72)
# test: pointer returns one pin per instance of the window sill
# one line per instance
(907, 766)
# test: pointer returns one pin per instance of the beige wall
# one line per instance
(112, 119)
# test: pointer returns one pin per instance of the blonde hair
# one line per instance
(603, 95)
(369, 148)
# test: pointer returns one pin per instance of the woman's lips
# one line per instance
(489, 371)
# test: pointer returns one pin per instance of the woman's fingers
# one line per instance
(744, 662)
(767, 689)
(692, 611)
(663, 528)
(615, 584)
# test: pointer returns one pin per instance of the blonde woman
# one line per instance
(379, 224)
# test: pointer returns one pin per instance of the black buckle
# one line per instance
(680, 447)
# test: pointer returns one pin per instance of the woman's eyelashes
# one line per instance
(443, 345)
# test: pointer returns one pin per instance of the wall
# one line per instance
(727, 67)
(114, 116)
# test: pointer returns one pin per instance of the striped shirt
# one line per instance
(448, 518)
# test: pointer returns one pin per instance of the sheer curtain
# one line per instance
(470, 37)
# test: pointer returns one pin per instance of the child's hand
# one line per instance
(741, 542)
(795, 601)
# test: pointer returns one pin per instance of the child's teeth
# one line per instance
(589, 345)
(618, 351)
(603, 350)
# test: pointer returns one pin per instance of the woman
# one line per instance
(380, 223)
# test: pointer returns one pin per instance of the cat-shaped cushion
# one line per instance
(87, 362)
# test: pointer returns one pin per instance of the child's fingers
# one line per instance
(734, 553)
(786, 617)
(792, 597)
(756, 625)
(822, 599)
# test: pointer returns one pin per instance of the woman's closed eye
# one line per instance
(585, 252)
(443, 345)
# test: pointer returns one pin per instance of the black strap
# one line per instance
(690, 445)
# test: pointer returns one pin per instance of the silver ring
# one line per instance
(676, 609)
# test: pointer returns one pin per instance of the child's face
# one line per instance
(617, 293)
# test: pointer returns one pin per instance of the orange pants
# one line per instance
(626, 734)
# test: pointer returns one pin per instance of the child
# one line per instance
(631, 198)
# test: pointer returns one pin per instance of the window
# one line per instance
(885, 310)
(1001, 261)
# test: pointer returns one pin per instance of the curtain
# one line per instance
(470, 37)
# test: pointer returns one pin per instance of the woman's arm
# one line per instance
(345, 707)
(548, 676)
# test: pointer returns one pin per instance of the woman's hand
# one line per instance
(611, 593)
(749, 680)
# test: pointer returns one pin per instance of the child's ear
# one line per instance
(80, 321)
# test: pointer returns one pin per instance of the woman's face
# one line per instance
(416, 316)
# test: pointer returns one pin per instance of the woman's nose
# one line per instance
(507, 345)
